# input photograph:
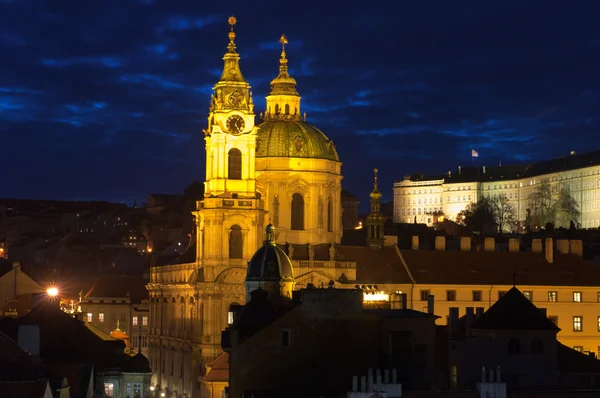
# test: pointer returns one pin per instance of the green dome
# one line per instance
(293, 139)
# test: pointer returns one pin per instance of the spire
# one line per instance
(375, 221)
(231, 69)
(117, 326)
(283, 84)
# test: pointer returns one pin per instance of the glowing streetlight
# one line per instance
(151, 388)
(162, 394)
(52, 291)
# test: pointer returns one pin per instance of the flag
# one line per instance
(474, 153)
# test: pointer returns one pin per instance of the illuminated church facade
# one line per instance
(283, 171)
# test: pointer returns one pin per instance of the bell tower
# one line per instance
(375, 222)
(230, 218)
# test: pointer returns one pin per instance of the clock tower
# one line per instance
(230, 218)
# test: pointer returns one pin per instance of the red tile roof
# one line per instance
(219, 369)
(373, 266)
(117, 286)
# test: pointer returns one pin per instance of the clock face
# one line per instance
(235, 124)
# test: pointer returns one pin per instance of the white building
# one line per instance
(418, 196)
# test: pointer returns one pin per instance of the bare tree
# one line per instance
(553, 204)
(566, 208)
(504, 212)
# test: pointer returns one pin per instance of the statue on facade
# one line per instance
(276, 210)
(290, 251)
(311, 252)
(332, 252)
(320, 213)
(250, 102)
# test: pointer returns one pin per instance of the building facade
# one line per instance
(419, 197)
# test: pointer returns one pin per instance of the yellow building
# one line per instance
(419, 196)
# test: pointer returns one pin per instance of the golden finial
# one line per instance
(375, 182)
(283, 40)
(232, 21)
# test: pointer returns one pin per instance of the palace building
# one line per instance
(418, 197)
(287, 173)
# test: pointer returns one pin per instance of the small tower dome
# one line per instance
(270, 269)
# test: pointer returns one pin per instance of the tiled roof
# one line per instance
(219, 369)
(372, 266)
(117, 286)
(348, 195)
(486, 268)
(514, 312)
(571, 361)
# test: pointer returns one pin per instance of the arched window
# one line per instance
(330, 215)
(235, 242)
(287, 109)
(514, 346)
(232, 312)
(537, 347)
(277, 109)
(297, 212)
(235, 164)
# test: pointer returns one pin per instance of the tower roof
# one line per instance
(231, 69)
(375, 194)
(270, 262)
(514, 312)
(283, 84)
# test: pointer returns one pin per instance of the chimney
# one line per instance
(479, 311)
(563, 246)
(370, 380)
(465, 244)
(491, 371)
(29, 339)
(386, 376)
(469, 317)
(459, 170)
(415, 242)
(536, 246)
(489, 244)
(440, 243)
(483, 169)
(394, 376)
(577, 247)
(498, 374)
(453, 320)
(363, 383)
(354, 383)
(514, 245)
(483, 374)
(430, 304)
(549, 250)
(403, 300)
(378, 380)
(544, 311)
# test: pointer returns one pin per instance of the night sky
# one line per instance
(107, 99)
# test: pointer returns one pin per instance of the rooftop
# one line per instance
(118, 286)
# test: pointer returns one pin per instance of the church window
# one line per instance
(287, 109)
(277, 109)
(235, 164)
(514, 346)
(297, 212)
(235, 242)
(330, 215)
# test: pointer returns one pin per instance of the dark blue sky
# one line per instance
(108, 99)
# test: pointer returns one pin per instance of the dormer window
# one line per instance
(514, 346)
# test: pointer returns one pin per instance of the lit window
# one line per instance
(528, 295)
(476, 295)
(578, 348)
(577, 297)
(424, 295)
(89, 317)
(230, 317)
(552, 297)
(144, 341)
(101, 317)
(145, 321)
(134, 321)
(109, 390)
(577, 323)
(450, 295)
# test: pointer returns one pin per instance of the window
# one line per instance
(552, 297)
(234, 164)
(286, 338)
(137, 390)
(144, 341)
(476, 295)
(554, 319)
(536, 346)
(599, 323)
(123, 317)
(578, 348)
(297, 212)
(114, 317)
(101, 317)
(145, 321)
(424, 295)
(450, 295)
(599, 297)
(230, 316)
(235, 242)
(528, 295)
(134, 321)
(577, 297)
(109, 390)
(89, 317)
(501, 294)
(514, 346)
(577, 323)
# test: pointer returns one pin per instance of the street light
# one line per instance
(162, 394)
(52, 291)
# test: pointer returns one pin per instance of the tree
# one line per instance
(194, 191)
(553, 204)
(504, 212)
(480, 216)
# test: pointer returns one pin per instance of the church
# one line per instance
(287, 173)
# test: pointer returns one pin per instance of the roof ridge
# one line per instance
(404, 263)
